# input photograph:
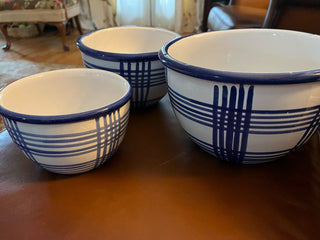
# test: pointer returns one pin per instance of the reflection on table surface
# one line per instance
(160, 185)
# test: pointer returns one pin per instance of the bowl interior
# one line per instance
(250, 51)
(128, 40)
(63, 92)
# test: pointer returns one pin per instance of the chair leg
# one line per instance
(77, 20)
(62, 30)
(3, 28)
(38, 28)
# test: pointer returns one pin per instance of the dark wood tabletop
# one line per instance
(160, 185)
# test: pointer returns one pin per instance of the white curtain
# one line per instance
(97, 14)
(182, 16)
(146, 13)
(163, 13)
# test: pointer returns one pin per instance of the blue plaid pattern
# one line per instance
(147, 78)
(103, 140)
(233, 121)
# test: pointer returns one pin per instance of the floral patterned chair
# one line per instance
(56, 12)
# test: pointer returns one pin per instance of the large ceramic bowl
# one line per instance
(248, 95)
(131, 52)
(67, 121)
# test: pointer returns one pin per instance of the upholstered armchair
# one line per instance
(299, 15)
(56, 12)
(236, 14)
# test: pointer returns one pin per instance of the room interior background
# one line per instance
(182, 16)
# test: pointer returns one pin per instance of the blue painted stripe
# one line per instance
(141, 77)
(230, 117)
(246, 127)
(231, 125)
(99, 142)
(189, 110)
(238, 118)
(192, 101)
(221, 121)
(189, 114)
(146, 83)
(310, 130)
(70, 169)
(264, 114)
(155, 72)
(151, 82)
(15, 133)
(105, 132)
(40, 141)
(304, 118)
(118, 132)
(187, 104)
(214, 113)
(91, 65)
(271, 125)
(284, 114)
(202, 113)
(66, 137)
(249, 156)
(141, 82)
(64, 153)
(107, 138)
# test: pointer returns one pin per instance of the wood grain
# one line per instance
(45, 48)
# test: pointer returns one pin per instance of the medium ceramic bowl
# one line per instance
(131, 52)
(250, 95)
(67, 121)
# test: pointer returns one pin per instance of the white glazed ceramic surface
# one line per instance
(246, 96)
(247, 51)
(128, 40)
(63, 92)
(131, 52)
(67, 121)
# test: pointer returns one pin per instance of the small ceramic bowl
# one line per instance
(250, 95)
(67, 121)
(131, 52)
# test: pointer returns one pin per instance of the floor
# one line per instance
(45, 48)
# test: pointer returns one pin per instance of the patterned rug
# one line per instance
(11, 71)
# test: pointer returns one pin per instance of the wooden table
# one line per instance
(160, 185)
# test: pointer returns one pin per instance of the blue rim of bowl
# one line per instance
(234, 77)
(67, 118)
(110, 56)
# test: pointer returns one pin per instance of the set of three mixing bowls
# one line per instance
(245, 96)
